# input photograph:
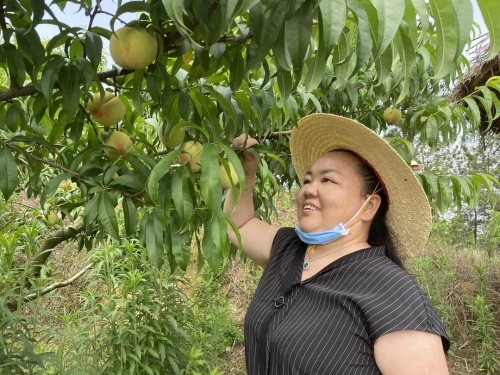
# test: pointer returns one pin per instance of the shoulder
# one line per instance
(393, 301)
(284, 238)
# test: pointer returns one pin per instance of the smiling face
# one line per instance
(331, 192)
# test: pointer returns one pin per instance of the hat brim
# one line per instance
(408, 217)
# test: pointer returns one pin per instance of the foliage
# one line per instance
(213, 327)
(134, 319)
(224, 67)
(490, 239)
(454, 232)
(435, 278)
(485, 330)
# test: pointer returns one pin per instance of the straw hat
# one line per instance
(408, 217)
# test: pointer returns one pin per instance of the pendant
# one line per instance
(306, 265)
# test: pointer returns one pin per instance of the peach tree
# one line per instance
(141, 136)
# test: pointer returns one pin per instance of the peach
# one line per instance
(191, 153)
(133, 47)
(108, 111)
(392, 116)
(224, 176)
(121, 143)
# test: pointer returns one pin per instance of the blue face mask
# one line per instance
(322, 238)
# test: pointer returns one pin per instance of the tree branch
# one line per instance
(16, 92)
(57, 285)
(40, 258)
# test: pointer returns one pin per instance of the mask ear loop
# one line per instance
(362, 208)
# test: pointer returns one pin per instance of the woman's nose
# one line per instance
(310, 190)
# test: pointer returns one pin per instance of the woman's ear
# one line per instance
(371, 207)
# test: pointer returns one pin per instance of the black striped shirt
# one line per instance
(329, 323)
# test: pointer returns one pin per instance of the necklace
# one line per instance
(312, 248)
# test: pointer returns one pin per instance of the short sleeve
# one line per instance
(282, 241)
(397, 303)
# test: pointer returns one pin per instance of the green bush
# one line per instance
(213, 328)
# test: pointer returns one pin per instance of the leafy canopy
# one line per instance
(223, 68)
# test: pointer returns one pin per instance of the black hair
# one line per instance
(379, 233)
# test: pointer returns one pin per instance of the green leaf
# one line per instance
(154, 241)
(218, 226)
(86, 72)
(52, 186)
(174, 9)
(298, 31)
(209, 179)
(130, 216)
(343, 51)
(153, 82)
(223, 102)
(128, 7)
(430, 183)
(284, 80)
(317, 69)
(206, 108)
(137, 87)
(390, 14)
(15, 63)
(460, 181)
(181, 194)
(431, 131)
(49, 76)
(38, 8)
(464, 19)
(13, 118)
(160, 169)
(474, 109)
(93, 49)
(132, 181)
(373, 23)
(236, 71)
(228, 12)
(90, 212)
(333, 15)
(8, 173)
(179, 243)
(423, 16)
(265, 25)
(383, 65)
(210, 250)
(490, 9)
(443, 13)
(107, 214)
(69, 80)
(444, 196)
(30, 43)
(364, 40)
(408, 59)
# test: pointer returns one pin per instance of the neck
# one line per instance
(343, 246)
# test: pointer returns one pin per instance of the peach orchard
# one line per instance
(146, 142)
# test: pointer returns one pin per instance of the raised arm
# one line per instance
(256, 235)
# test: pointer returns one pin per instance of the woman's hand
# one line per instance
(256, 236)
(249, 161)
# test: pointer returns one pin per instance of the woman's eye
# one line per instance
(327, 180)
(305, 182)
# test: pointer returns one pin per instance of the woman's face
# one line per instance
(331, 192)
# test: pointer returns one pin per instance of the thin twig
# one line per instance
(60, 284)
(24, 205)
(112, 15)
(92, 16)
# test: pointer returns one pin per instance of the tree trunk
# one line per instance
(40, 258)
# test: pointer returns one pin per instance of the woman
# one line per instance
(337, 301)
